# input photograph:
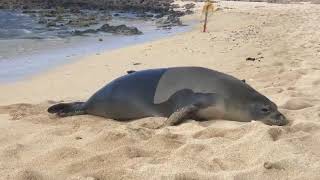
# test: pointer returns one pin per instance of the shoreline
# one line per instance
(274, 47)
(71, 65)
(70, 49)
(82, 62)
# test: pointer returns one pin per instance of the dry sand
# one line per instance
(285, 39)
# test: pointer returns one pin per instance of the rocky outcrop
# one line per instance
(69, 17)
(168, 21)
(189, 6)
(120, 30)
(83, 32)
(79, 14)
(139, 5)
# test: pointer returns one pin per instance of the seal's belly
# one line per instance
(211, 112)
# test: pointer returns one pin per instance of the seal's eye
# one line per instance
(265, 110)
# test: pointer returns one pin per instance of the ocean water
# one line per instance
(28, 48)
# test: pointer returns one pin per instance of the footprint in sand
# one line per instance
(297, 104)
(27, 174)
(271, 165)
(308, 127)
(188, 150)
(12, 151)
(277, 63)
(316, 82)
(209, 133)
(108, 140)
(272, 90)
(185, 176)
(82, 178)
(275, 133)
(165, 140)
(130, 152)
(59, 155)
(21, 110)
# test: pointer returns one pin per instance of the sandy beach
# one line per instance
(284, 40)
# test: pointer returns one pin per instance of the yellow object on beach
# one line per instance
(207, 8)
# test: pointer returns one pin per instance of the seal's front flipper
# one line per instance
(196, 106)
(180, 115)
(67, 109)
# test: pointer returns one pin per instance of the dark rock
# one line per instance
(254, 58)
(189, 6)
(78, 138)
(83, 22)
(250, 59)
(51, 24)
(177, 13)
(43, 21)
(106, 17)
(144, 5)
(116, 14)
(51, 13)
(169, 21)
(75, 10)
(131, 71)
(59, 18)
(144, 15)
(174, 20)
(150, 15)
(195, 0)
(25, 7)
(60, 10)
(29, 11)
(189, 12)
(121, 29)
(92, 17)
(159, 16)
(87, 31)
(90, 31)
(175, 6)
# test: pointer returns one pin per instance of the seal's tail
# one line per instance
(67, 109)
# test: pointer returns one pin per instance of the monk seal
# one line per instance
(178, 93)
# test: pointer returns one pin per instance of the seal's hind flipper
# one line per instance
(67, 109)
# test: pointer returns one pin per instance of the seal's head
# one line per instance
(262, 109)
(254, 106)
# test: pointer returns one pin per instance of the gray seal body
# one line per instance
(178, 93)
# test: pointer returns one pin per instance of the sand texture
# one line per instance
(284, 40)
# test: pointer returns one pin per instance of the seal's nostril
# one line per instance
(280, 117)
(283, 119)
